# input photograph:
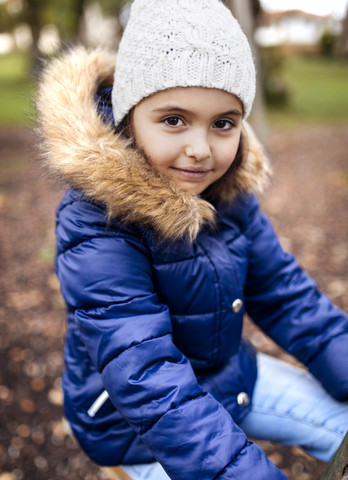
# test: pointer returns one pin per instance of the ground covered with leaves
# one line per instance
(308, 204)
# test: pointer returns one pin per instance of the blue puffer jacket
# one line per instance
(156, 295)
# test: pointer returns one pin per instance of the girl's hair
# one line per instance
(124, 128)
(214, 191)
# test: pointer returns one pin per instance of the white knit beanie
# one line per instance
(181, 43)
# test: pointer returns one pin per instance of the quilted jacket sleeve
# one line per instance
(285, 302)
(105, 276)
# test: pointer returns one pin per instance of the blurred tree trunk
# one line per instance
(34, 21)
(342, 44)
(245, 11)
(78, 11)
(36, 17)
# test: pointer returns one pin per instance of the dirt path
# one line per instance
(308, 204)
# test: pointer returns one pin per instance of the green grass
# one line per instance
(16, 90)
(318, 92)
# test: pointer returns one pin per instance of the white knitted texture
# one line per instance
(181, 43)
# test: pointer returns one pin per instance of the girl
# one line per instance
(161, 250)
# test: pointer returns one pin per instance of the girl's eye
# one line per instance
(173, 121)
(224, 124)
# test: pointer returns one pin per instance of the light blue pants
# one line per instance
(289, 407)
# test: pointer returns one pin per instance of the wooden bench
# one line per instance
(116, 473)
(338, 467)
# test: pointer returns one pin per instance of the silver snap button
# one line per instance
(237, 305)
(243, 399)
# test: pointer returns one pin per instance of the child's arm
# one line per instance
(285, 302)
(105, 276)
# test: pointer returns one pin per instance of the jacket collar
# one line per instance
(83, 149)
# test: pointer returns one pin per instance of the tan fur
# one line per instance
(85, 151)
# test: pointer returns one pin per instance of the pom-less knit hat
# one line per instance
(181, 43)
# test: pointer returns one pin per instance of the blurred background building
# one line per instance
(300, 30)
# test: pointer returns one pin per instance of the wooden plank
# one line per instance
(338, 467)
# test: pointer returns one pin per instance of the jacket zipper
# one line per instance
(97, 404)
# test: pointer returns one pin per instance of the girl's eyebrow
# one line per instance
(171, 108)
(231, 112)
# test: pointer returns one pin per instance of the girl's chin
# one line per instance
(191, 187)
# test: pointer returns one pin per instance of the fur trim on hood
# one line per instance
(85, 151)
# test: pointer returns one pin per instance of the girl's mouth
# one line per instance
(195, 173)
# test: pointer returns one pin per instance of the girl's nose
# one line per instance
(198, 148)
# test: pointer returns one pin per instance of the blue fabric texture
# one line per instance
(153, 324)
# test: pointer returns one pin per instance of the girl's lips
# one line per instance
(192, 172)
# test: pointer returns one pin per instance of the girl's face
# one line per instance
(191, 134)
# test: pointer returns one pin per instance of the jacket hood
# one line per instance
(83, 149)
